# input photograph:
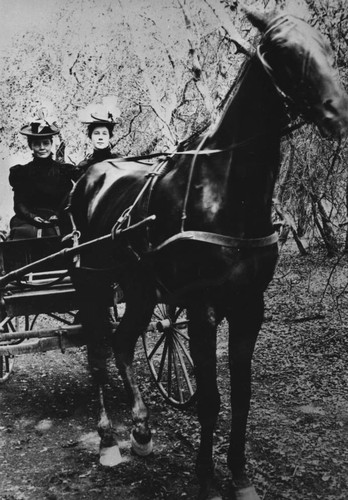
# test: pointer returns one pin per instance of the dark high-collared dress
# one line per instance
(40, 188)
(97, 156)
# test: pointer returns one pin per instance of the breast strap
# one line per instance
(220, 240)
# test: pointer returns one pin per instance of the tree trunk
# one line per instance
(324, 226)
(346, 242)
(285, 226)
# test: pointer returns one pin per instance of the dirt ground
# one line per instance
(298, 425)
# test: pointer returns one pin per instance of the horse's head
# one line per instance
(300, 63)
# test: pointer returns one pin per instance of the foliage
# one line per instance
(146, 60)
(297, 432)
(313, 183)
(170, 65)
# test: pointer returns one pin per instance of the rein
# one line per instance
(195, 152)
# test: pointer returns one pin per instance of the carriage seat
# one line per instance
(15, 254)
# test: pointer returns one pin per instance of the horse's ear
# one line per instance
(257, 19)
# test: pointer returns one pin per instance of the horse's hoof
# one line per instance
(141, 449)
(247, 493)
(110, 456)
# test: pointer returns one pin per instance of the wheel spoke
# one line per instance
(58, 318)
(184, 369)
(168, 355)
(177, 375)
(182, 334)
(11, 326)
(157, 345)
(5, 322)
(169, 370)
(184, 348)
(178, 312)
(163, 360)
(161, 312)
(28, 325)
(174, 312)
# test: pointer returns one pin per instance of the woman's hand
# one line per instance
(40, 221)
(50, 222)
(53, 219)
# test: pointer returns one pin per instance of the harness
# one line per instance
(160, 170)
(144, 197)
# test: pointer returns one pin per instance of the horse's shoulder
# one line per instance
(129, 166)
(107, 173)
(114, 170)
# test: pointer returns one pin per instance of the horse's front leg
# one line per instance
(245, 319)
(202, 331)
(95, 318)
(135, 320)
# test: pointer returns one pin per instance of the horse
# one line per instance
(210, 244)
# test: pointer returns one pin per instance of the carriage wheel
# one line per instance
(168, 356)
(16, 324)
(6, 367)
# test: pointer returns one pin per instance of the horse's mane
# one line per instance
(192, 139)
(275, 34)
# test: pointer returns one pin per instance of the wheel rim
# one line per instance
(167, 353)
(6, 367)
(15, 324)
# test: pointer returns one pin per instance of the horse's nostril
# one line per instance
(329, 105)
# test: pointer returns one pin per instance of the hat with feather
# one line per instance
(104, 113)
(39, 126)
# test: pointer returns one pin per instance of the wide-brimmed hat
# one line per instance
(106, 111)
(39, 128)
(101, 118)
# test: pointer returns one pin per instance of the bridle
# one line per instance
(261, 53)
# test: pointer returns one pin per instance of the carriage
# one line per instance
(35, 285)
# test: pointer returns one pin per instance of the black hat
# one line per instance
(39, 128)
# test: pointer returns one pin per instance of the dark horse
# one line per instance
(211, 246)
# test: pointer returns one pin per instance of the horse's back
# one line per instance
(105, 191)
(105, 173)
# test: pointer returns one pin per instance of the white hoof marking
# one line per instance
(141, 449)
(110, 456)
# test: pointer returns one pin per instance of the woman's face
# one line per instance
(41, 148)
(100, 137)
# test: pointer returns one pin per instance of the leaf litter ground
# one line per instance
(298, 426)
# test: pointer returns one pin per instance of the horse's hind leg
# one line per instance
(139, 308)
(245, 322)
(202, 330)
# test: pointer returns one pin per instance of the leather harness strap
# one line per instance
(220, 240)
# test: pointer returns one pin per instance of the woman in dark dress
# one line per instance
(100, 131)
(40, 186)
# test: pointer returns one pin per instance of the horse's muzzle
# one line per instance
(333, 121)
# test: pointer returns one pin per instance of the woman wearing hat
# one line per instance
(40, 186)
(100, 132)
